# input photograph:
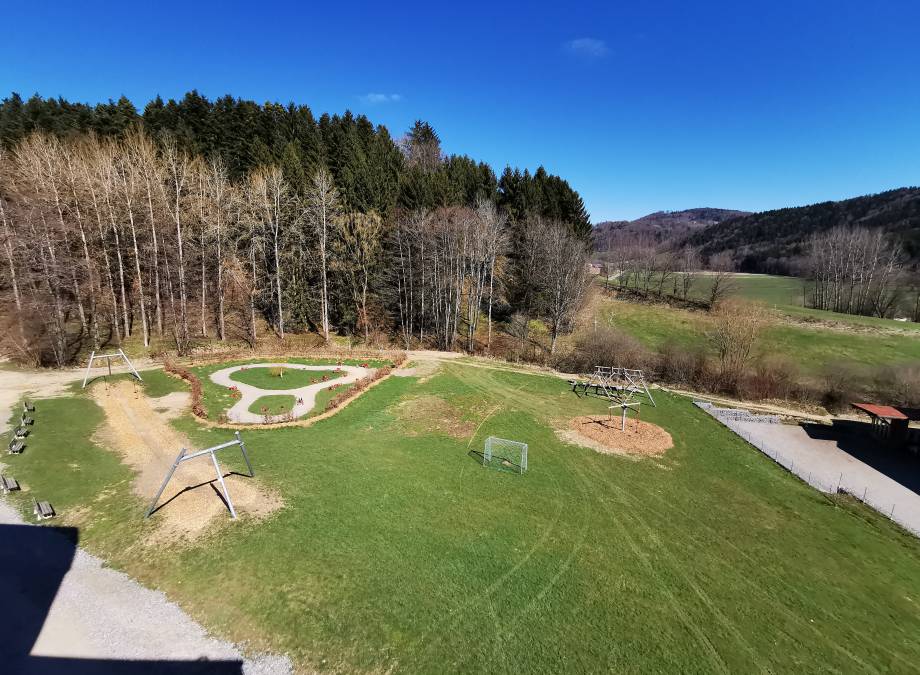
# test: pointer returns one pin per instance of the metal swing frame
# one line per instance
(120, 354)
(184, 456)
(616, 381)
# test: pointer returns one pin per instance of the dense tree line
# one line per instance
(166, 224)
(776, 241)
(371, 170)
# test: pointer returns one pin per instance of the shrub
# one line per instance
(605, 346)
(356, 388)
(194, 385)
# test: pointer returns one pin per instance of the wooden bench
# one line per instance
(8, 484)
(16, 447)
(25, 421)
(21, 432)
(28, 406)
(43, 510)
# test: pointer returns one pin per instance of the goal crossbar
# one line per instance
(120, 354)
(498, 447)
(184, 455)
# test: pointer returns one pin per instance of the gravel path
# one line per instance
(307, 395)
(99, 613)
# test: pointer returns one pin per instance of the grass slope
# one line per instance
(398, 551)
(812, 347)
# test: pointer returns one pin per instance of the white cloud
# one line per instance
(590, 48)
(374, 98)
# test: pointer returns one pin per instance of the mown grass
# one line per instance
(396, 551)
(217, 399)
(786, 295)
(292, 378)
(274, 404)
(813, 348)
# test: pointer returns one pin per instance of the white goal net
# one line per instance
(505, 454)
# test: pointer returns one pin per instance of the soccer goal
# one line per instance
(508, 454)
(120, 354)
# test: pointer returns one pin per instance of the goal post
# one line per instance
(120, 354)
(509, 454)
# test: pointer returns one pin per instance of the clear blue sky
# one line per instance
(640, 105)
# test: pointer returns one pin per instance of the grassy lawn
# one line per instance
(217, 399)
(814, 348)
(785, 295)
(397, 551)
(276, 404)
(291, 379)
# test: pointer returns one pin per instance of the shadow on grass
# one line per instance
(498, 462)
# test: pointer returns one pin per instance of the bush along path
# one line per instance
(305, 397)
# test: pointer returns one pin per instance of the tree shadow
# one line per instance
(857, 440)
(33, 563)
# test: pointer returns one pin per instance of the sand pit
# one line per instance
(603, 434)
(149, 444)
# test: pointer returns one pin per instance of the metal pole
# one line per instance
(165, 481)
(130, 365)
(220, 477)
(245, 456)
(88, 367)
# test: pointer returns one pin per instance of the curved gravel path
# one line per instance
(307, 395)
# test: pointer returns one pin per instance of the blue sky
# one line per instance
(641, 106)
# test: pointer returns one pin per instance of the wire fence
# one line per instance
(734, 418)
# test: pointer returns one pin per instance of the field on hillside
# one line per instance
(786, 295)
(814, 347)
(395, 550)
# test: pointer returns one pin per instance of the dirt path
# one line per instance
(14, 384)
(149, 445)
(306, 396)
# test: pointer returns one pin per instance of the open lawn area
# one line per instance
(217, 399)
(269, 378)
(396, 551)
(812, 347)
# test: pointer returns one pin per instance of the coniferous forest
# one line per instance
(196, 220)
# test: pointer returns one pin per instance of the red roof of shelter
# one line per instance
(884, 411)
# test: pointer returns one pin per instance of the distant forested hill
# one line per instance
(772, 241)
(660, 227)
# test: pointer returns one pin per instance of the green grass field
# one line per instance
(813, 347)
(291, 379)
(217, 399)
(785, 295)
(274, 404)
(396, 551)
